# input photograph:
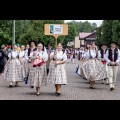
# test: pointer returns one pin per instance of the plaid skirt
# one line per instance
(38, 75)
(93, 70)
(57, 74)
(14, 71)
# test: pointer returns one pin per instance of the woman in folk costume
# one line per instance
(14, 70)
(27, 57)
(102, 58)
(57, 73)
(23, 60)
(92, 68)
(38, 72)
(82, 60)
(113, 60)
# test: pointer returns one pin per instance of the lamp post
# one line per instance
(13, 32)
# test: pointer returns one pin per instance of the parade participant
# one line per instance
(92, 68)
(80, 53)
(57, 73)
(27, 47)
(68, 55)
(82, 60)
(38, 72)
(23, 60)
(18, 48)
(49, 51)
(9, 49)
(3, 58)
(102, 58)
(113, 59)
(27, 57)
(41, 42)
(14, 71)
(73, 55)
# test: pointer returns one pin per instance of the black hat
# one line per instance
(32, 41)
(114, 42)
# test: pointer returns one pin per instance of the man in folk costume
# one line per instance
(113, 59)
(27, 56)
(102, 57)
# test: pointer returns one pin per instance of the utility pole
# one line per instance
(13, 32)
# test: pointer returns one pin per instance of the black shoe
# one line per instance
(58, 94)
(92, 87)
(16, 85)
(10, 86)
(111, 88)
(107, 83)
(32, 86)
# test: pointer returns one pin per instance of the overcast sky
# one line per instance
(98, 22)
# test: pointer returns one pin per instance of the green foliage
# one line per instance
(109, 31)
(27, 30)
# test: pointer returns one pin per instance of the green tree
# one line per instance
(116, 29)
(107, 31)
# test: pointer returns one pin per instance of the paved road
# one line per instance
(76, 89)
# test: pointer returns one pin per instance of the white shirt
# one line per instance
(13, 54)
(104, 55)
(26, 53)
(22, 54)
(87, 54)
(60, 55)
(42, 54)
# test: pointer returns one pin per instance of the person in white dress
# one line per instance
(14, 70)
(92, 68)
(113, 61)
(38, 73)
(23, 60)
(57, 73)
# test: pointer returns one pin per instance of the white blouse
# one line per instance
(60, 55)
(13, 54)
(99, 55)
(42, 55)
(90, 52)
(22, 54)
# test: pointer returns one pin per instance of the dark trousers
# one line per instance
(1, 68)
(47, 71)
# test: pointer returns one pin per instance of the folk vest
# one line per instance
(102, 52)
(29, 51)
(115, 54)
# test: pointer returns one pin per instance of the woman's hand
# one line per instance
(37, 57)
(29, 60)
(57, 62)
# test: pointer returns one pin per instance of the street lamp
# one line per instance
(13, 32)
